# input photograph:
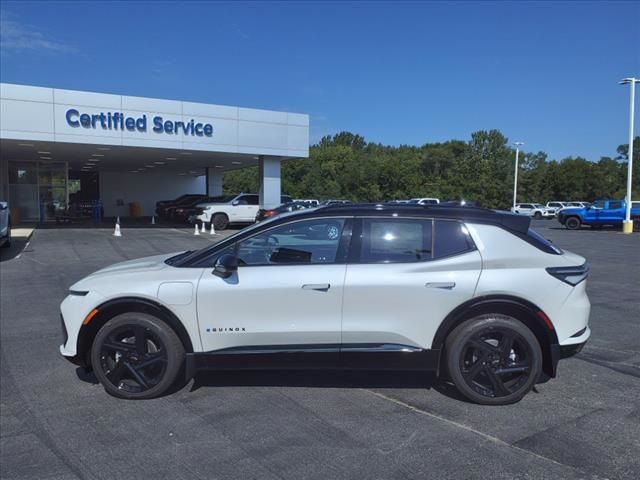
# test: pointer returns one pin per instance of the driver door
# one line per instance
(285, 295)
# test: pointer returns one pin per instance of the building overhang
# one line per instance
(134, 133)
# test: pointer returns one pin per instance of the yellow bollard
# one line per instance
(627, 227)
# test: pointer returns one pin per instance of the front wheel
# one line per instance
(493, 359)
(220, 221)
(572, 223)
(537, 215)
(136, 356)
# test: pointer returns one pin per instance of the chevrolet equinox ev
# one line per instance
(472, 294)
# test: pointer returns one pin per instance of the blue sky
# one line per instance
(398, 73)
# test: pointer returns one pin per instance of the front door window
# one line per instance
(304, 242)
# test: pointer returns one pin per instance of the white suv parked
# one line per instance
(235, 209)
(424, 201)
(534, 210)
(555, 207)
(472, 294)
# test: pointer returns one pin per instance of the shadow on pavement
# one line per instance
(325, 379)
(16, 248)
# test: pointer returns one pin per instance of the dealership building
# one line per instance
(59, 146)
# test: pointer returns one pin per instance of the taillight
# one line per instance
(269, 213)
(571, 275)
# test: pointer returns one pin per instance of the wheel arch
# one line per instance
(113, 307)
(526, 312)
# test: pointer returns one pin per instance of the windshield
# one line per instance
(414, 200)
(537, 205)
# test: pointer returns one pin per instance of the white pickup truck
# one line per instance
(234, 209)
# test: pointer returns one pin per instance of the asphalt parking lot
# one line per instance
(313, 425)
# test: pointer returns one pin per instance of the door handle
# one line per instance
(443, 285)
(321, 287)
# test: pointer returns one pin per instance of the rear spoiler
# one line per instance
(515, 222)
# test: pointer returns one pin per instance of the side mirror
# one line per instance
(225, 266)
(235, 202)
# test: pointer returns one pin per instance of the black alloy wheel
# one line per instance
(537, 215)
(493, 359)
(136, 356)
(572, 223)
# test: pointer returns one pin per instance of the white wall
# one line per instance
(146, 189)
(37, 113)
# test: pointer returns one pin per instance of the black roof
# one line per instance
(508, 220)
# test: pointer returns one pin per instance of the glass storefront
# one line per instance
(37, 190)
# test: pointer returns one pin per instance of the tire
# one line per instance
(7, 242)
(132, 370)
(573, 223)
(537, 215)
(220, 221)
(493, 359)
(636, 224)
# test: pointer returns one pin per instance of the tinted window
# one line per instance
(249, 199)
(310, 241)
(598, 204)
(452, 238)
(395, 240)
(615, 205)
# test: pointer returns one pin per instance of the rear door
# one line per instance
(247, 208)
(613, 213)
(404, 276)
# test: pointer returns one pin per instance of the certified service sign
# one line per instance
(118, 121)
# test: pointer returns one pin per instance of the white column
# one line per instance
(214, 182)
(269, 182)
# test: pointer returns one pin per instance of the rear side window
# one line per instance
(615, 205)
(451, 238)
(391, 240)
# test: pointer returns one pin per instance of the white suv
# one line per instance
(534, 210)
(555, 207)
(472, 294)
(424, 201)
(235, 209)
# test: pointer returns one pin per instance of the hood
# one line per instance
(206, 204)
(145, 264)
(571, 210)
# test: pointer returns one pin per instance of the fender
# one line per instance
(528, 313)
(111, 308)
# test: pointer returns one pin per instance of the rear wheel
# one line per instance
(493, 359)
(136, 356)
(572, 223)
(220, 221)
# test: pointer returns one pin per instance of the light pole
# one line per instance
(627, 225)
(515, 176)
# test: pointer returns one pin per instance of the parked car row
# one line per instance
(550, 210)
(222, 211)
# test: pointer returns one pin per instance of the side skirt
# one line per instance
(312, 357)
